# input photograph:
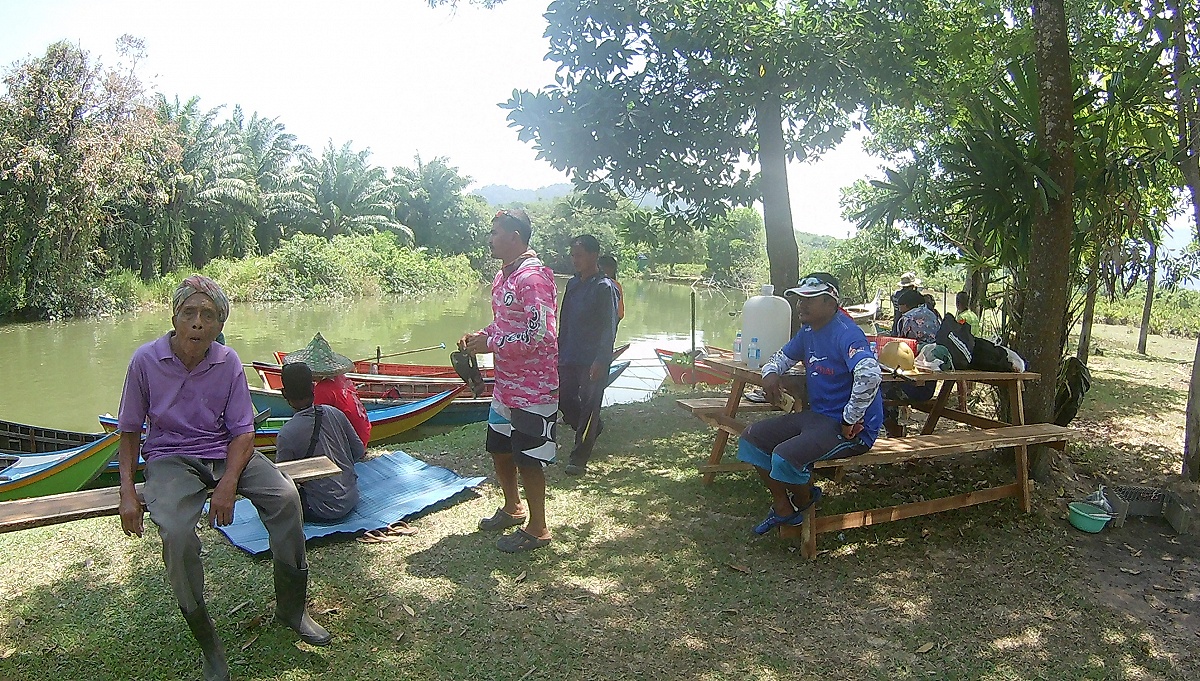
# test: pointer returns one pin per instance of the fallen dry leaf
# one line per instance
(1131, 572)
(925, 648)
(521, 577)
(410, 611)
(237, 607)
(740, 568)
(247, 644)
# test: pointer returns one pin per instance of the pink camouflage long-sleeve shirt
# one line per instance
(524, 335)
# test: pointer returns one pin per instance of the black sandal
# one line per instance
(502, 520)
(467, 368)
(520, 541)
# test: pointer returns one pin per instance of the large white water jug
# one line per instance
(769, 319)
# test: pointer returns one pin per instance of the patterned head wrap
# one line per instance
(198, 283)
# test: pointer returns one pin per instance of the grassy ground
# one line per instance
(653, 575)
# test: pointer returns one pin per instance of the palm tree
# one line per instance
(206, 215)
(430, 201)
(271, 159)
(349, 195)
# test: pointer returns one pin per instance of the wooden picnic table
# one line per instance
(937, 408)
(722, 414)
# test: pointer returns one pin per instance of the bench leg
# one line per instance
(808, 533)
(839, 474)
(1022, 454)
(722, 438)
(1017, 407)
(943, 397)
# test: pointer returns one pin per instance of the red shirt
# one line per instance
(339, 392)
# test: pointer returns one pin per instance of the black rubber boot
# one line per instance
(215, 667)
(291, 598)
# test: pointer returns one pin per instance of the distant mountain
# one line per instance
(500, 195)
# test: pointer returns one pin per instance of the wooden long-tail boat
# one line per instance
(682, 371)
(377, 368)
(462, 410)
(385, 423)
(465, 409)
(40, 469)
(405, 388)
(390, 382)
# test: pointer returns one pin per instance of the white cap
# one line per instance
(768, 289)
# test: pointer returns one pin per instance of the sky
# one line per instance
(393, 76)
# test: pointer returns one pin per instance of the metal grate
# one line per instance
(1143, 501)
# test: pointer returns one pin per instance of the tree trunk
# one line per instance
(1089, 310)
(1189, 164)
(1039, 338)
(782, 253)
(1149, 304)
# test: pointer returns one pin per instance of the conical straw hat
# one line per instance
(320, 358)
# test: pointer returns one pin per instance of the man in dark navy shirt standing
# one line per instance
(587, 329)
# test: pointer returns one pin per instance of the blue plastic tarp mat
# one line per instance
(390, 487)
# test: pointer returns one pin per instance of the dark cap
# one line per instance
(297, 381)
(910, 298)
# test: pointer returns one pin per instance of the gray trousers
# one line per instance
(175, 491)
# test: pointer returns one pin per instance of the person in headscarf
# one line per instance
(193, 392)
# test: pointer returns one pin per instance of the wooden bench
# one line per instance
(23, 514)
(995, 435)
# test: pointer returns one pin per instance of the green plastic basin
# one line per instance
(1087, 517)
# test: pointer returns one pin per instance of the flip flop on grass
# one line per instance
(391, 533)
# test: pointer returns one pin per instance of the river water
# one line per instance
(64, 374)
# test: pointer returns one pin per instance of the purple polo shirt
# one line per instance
(192, 413)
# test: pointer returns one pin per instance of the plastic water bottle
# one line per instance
(753, 361)
(737, 347)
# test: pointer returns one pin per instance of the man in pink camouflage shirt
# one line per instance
(524, 338)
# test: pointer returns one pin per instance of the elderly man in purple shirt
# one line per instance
(201, 437)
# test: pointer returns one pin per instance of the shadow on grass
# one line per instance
(651, 575)
(1116, 392)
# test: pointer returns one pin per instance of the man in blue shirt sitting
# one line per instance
(845, 411)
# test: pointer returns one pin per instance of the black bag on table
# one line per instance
(990, 357)
(957, 339)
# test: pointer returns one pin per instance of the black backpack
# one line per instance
(957, 339)
(990, 357)
(1074, 380)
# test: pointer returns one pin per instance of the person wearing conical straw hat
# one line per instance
(193, 392)
(332, 387)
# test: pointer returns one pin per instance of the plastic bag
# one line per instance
(927, 359)
(1099, 499)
